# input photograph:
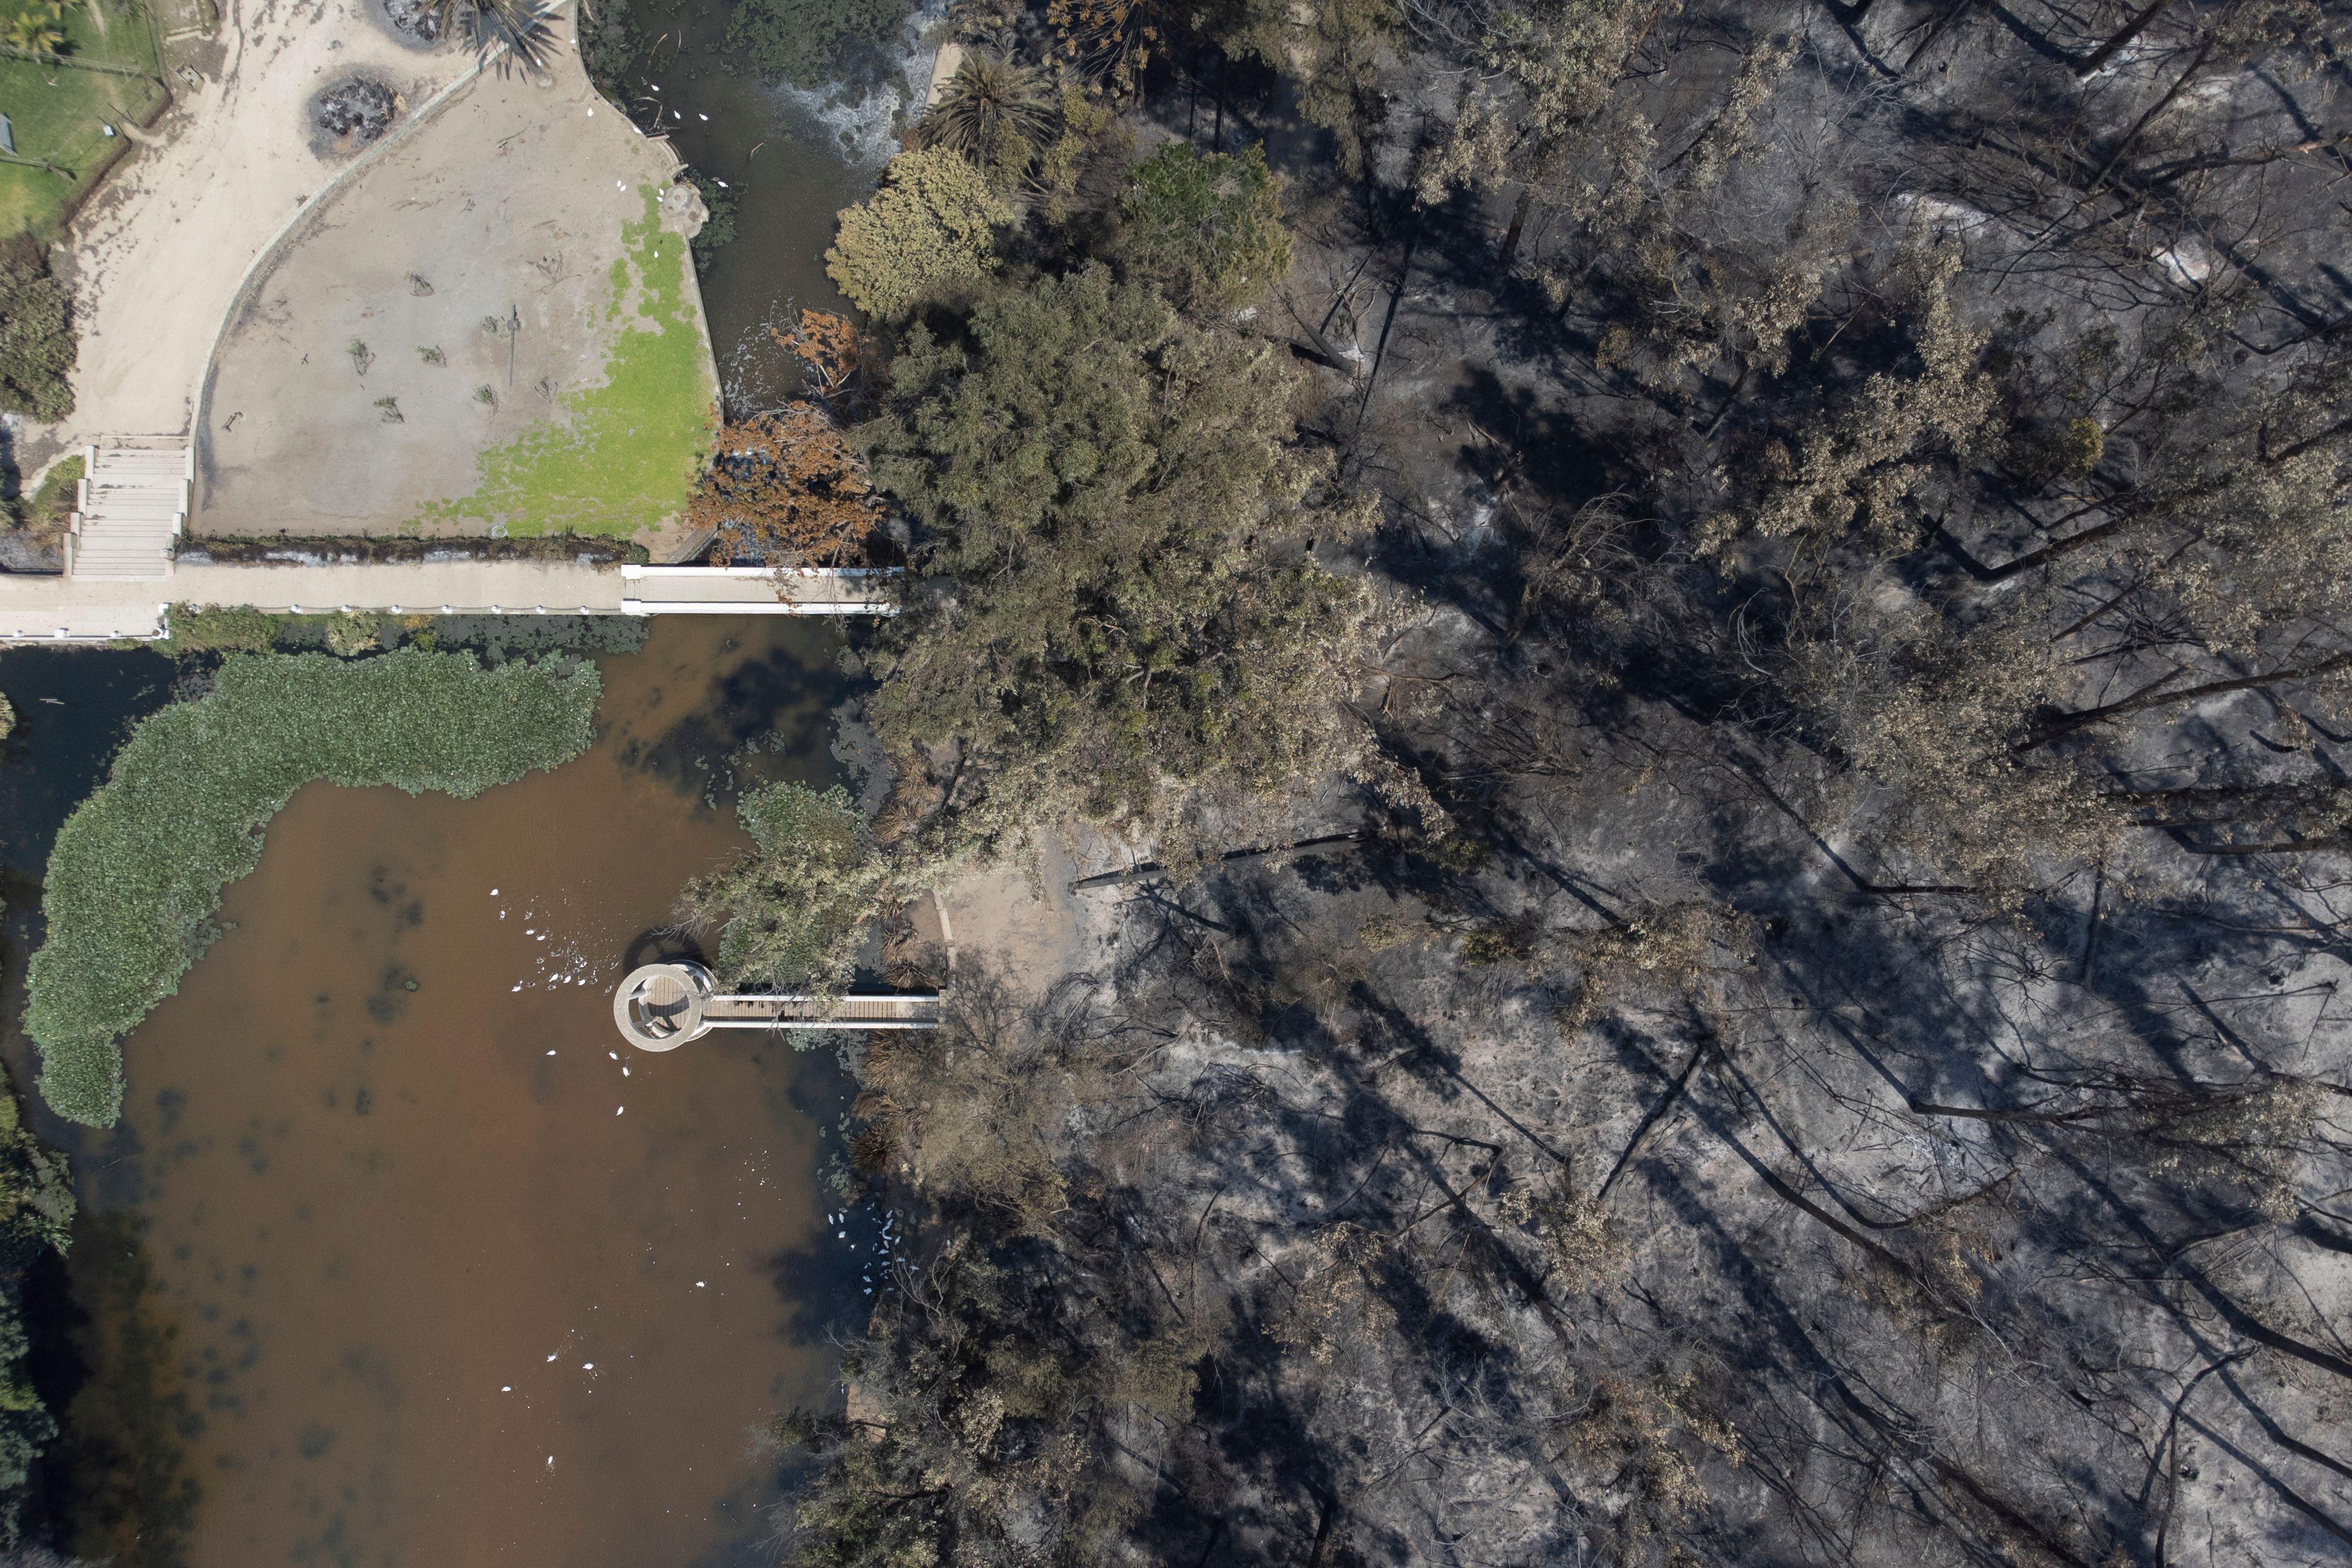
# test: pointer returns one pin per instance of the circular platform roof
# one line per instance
(659, 1007)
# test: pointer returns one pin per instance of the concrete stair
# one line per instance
(133, 503)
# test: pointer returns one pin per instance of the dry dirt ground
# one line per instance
(495, 328)
(1028, 931)
(156, 257)
(224, 276)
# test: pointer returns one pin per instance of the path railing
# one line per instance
(47, 607)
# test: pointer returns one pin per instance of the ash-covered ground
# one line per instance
(1826, 1049)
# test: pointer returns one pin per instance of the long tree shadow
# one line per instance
(116, 1485)
(774, 710)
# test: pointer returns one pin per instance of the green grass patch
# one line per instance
(49, 509)
(56, 110)
(628, 453)
(199, 633)
(52, 504)
(232, 630)
(139, 869)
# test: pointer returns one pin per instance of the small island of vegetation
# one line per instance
(139, 869)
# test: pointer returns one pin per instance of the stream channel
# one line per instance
(790, 158)
(399, 1255)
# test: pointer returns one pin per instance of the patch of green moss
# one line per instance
(625, 454)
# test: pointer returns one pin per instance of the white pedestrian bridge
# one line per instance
(68, 609)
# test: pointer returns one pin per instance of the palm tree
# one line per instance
(988, 97)
(520, 25)
(35, 29)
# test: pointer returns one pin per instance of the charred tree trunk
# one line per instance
(2122, 40)
(2059, 726)
(1520, 211)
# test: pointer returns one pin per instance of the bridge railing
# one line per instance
(893, 1010)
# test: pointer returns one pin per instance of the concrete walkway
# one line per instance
(41, 608)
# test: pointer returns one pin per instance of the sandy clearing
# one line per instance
(509, 205)
(157, 256)
(1028, 935)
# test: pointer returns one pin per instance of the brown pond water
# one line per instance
(400, 1256)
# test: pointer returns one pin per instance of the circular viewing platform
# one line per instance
(663, 1005)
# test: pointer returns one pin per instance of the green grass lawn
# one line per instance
(56, 110)
(626, 453)
(52, 505)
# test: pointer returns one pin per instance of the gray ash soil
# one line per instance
(414, 19)
(355, 112)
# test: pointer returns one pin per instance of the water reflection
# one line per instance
(791, 159)
(108, 1365)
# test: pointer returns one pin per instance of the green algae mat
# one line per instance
(623, 455)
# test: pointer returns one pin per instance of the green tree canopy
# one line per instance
(792, 912)
(37, 336)
(930, 228)
(1119, 620)
(1206, 227)
(994, 113)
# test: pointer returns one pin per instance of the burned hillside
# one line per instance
(1809, 555)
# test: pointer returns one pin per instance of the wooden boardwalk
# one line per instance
(663, 1005)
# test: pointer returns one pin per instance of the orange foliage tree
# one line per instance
(839, 360)
(785, 487)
